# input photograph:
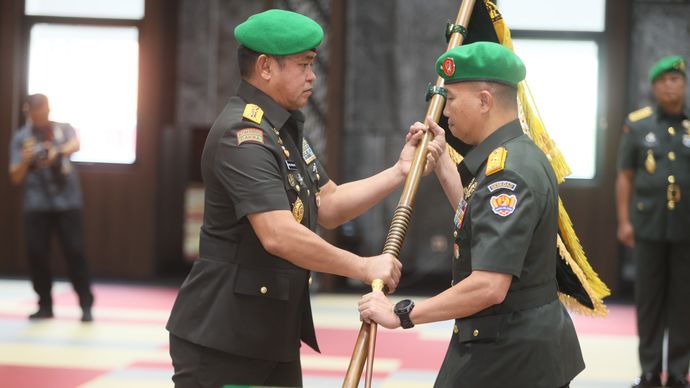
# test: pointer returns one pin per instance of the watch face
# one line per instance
(404, 306)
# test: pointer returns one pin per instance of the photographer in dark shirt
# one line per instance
(39, 159)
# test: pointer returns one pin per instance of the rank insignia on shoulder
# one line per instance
(253, 113)
(640, 114)
(250, 134)
(508, 185)
(307, 152)
(503, 204)
(496, 161)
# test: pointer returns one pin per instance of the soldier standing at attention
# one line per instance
(653, 200)
(243, 309)
(510, 328)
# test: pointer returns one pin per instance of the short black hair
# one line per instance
(246, 58)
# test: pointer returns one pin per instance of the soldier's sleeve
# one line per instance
(16, 150)
(249, 171)
(627, 149)
(504, 213)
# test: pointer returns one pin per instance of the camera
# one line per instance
(41, 151)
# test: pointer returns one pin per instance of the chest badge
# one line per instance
(469, 190)
(650, 162)
(253, 113)
(686, 140)
(651, 139)
(307, 152)
(496, 161)
(298, 210)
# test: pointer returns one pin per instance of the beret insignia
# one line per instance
(448, 67)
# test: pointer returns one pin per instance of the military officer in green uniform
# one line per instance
(243, 309)
(510, 328)
(653, 203)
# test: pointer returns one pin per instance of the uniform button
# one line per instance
(671, 179)
(671, 131)
(455, 234)
(308, 192)
(451, 283)
(310, 280)
(640, 206)
(671, 156)
(263, 290)
(475, 332)
(456, 330)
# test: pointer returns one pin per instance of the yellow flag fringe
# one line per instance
(569, 246)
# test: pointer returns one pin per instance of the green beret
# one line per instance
(670, 63)
(279, 32)
(481, 61)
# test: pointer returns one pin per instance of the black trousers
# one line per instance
(662, 288)
(197, 366)
(39, 228)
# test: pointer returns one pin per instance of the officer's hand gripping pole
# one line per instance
(366, 340)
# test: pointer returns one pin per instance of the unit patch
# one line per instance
(250, 134)
(496, 161)
(307, 152)
(503, 204)
(508, 185)
(253, 113)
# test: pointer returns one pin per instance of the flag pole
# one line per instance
(364, 347)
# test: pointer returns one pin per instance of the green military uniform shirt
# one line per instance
(238, 298)
(657, 148)
(508, 224)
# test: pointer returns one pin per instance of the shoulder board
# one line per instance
(640, 114)
(253, 113)
(496, 161)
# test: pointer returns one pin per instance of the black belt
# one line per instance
(523, 299)
(486, 324)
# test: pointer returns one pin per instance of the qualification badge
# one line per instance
(298, 210)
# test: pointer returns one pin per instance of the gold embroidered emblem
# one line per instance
(298, 210)
(470, 189)
(496, 161)
(253, 113)
(640, 114)
(650, 163)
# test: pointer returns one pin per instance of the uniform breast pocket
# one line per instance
(265, 284)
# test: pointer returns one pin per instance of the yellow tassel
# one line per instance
(454, 155)
(569, 246)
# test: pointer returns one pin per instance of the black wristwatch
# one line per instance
(403, 309)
